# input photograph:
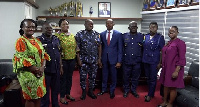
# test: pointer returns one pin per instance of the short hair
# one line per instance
(45, 23)
(132, 22)
(60, 21)
(21, 32)
(153, 23)
(175, 27)
(88, 20)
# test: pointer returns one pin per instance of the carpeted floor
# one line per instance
(118, 101)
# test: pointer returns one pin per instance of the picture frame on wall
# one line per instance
(170, 3)
(104, 9)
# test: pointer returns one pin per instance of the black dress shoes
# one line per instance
(162, 106)
(56, 106)
(148, 98)
(135, 94)
(125, 94)
(83, 96)
(70, 98)
(112, 95)
(101, 93)
(65, 102)
(91, 94)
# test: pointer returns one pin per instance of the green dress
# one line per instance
(29, 52)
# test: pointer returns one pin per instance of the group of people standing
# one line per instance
(108, 50)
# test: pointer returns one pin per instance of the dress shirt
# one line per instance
(111, 32)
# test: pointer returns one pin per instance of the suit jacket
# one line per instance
(102, 13)
(114, 50)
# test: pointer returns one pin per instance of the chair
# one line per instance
(6, 76)
(189, 96)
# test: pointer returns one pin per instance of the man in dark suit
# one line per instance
(111, 56)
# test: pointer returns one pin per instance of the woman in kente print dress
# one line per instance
(173, 62)
(29, 63)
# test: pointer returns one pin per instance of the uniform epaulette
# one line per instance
(139, 33)
(40, 37)
(147, 34)
(159, 34)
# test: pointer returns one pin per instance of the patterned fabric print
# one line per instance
(88, 45)
(68, 44)
(29, 52)
(91, 70)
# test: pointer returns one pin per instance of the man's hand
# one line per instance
(61, 70)
(79, 63)
(99, 63)
(118, 65)
(159, 66)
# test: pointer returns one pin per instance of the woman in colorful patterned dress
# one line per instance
(29, 63)
(68, 47)
(173, 62)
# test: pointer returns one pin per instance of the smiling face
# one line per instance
(173, 32)
(47, 29)
(133, 27)
(28, 28)
(64, 26)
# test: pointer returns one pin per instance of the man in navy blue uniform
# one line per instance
(132, 58)
(53, 67)
(88, 56)
(111, 56)
(152, 47)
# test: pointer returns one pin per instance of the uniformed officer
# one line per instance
(52, 70)
(132, 58)
(152, 46)
(88, 57)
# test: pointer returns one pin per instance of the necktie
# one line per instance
(108, 39)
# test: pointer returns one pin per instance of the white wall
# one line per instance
(119, 9)
(12, 13)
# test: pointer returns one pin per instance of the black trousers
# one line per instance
(66, 78)
(52, 81)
